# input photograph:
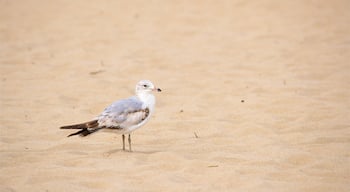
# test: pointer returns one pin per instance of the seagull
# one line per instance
(123, 116)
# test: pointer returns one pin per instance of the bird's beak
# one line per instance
(157, 89)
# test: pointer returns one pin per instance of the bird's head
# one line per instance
(146, 86)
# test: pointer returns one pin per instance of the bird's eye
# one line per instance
(145, 86)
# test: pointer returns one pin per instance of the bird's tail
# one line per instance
(85, 128)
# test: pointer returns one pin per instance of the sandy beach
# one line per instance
(256, 95)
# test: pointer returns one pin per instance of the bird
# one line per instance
(123, 116)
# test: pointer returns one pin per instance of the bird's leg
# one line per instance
(123, 137)
(129, 139)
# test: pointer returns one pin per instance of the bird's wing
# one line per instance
(123, 113)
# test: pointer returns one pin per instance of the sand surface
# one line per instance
(264, 85)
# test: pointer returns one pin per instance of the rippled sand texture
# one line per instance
(256, 94)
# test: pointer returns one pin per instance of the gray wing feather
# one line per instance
(135, 118)
(123, 113)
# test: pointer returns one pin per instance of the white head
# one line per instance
(145, 86)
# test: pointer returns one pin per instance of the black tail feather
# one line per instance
(84, 132)
(77, 126)
(85, 128)
(89, 124)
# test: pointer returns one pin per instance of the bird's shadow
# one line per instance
(115, 151)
